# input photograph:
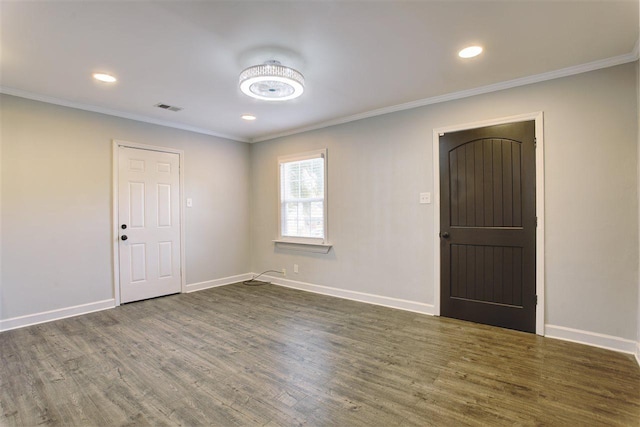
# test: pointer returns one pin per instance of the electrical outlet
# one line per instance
(295, 268)
(425, 198)
(284, 271)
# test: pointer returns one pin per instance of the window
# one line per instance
(303, 191)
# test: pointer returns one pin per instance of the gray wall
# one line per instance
(57, 204)
(383, 237)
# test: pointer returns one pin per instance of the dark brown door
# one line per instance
(488, 225)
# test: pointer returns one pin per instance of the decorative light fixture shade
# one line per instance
(271, 81)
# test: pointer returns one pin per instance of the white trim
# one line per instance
(396, 303)
(116, 113)
(61, 313)
(1, 297)
(292, 245)
(193, 287)
(636, 52)
(299, 157)
(564, 72)
(594, 339)
(523, 81)
(115, 230)
(540, 217)
(307, 155)
(114, 220)
(540, 269)
(183, 221)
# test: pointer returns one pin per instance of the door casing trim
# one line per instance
(538, 117)
(116, 144)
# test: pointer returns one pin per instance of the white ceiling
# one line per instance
(356, 56)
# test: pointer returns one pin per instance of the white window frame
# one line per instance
(318, 242)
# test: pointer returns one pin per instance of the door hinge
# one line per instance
(536, 221)
(536, 299)
(535, 142)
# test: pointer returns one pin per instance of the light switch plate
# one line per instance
(189, 202)
(425, 198)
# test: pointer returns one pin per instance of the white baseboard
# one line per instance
(595, 339)
(218, 282)
(608, 342)
(400, 304)
(48, 316)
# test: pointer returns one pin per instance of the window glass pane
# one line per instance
(311, 178)
(317, 228)
(317, 210)
(290, 219)
(291, 180)
(302, 198)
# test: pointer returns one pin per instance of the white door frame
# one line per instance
(115, 233)
(539, 130)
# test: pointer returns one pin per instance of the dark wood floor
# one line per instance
(272, 356)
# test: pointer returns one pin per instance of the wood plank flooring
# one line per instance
(272, 356)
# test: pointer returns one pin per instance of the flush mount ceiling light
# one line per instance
(271, 81)
(107, 78)
(470, 52)
(248, 117)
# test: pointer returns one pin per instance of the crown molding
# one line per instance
(551, 75)
(93, 108)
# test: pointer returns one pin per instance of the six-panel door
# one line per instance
(149, 223)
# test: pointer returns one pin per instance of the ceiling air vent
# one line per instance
(168, 107)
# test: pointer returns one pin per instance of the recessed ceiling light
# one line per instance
(470, 52)
(107, 78)
(248, 117)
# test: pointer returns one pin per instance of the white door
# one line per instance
(149, 223)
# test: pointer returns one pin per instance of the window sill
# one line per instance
(318, 248)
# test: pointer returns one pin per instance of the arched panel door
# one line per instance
(488, 225)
